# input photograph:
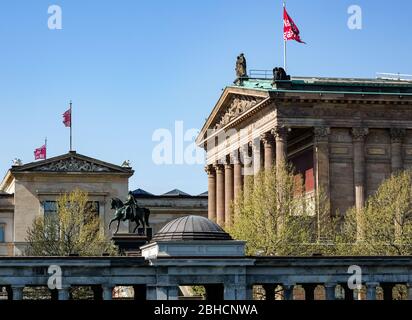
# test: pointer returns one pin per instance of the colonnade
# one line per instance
(226, 177)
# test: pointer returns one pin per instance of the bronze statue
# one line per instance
(129, 211)
(279, 74)
(241, 71)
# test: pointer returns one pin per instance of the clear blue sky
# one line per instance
(134, 66)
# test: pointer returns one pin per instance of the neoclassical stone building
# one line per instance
(344, 135)
(30, 190)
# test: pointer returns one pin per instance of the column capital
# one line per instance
(267, 138)
(210, 169)
(321, 134)
(218, 167)
(397, 134)
(280, 132)
(359, 133)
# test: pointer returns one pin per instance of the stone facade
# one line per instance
(343, 135)
(6, 223)
(31, 188)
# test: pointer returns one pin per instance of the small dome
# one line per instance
(191, 228)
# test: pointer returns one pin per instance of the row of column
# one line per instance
(100, 292)
(226, 177)
(359, 136)
(235, 291)
(370, 288)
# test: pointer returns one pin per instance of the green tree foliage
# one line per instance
(73, 230)
(276, 217)
(384, 225)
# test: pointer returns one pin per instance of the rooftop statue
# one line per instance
(279, 74)
(241, 71)
(129, 210)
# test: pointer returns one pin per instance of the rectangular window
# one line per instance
(2, 232)
(50, 208)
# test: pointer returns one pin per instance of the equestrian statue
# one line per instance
(129, 211)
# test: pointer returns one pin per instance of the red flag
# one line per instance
(290, 30)
(67, 118)
(40, 153)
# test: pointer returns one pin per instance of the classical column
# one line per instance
(371, 290)
(211, 182)
(17, 292)
(359, 135)
(247, 168)
(228, 191)
(257, 156)
(64, 293)
(220, 194)
(321, 153)
(237, 174)
(288, 291)
(151, 292)
(397, 136)
(107, 292)
(330, 291)
(269, 151)
(281, 140)
(173, 293)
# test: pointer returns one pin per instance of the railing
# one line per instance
(261, 74)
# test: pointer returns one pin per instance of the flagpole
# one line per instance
(284, 43)
(71, 125)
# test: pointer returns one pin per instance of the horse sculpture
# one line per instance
(131, 212)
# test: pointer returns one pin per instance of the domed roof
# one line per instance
(191, 228)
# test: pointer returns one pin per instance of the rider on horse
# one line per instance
(130, 207)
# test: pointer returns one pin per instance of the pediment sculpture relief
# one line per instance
(239, 105)
(72, 165)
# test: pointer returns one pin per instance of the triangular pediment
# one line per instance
(233, 104)
(71, 162)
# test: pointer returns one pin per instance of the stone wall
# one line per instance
(32, 189)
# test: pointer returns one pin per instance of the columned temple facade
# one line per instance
(344, 136)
